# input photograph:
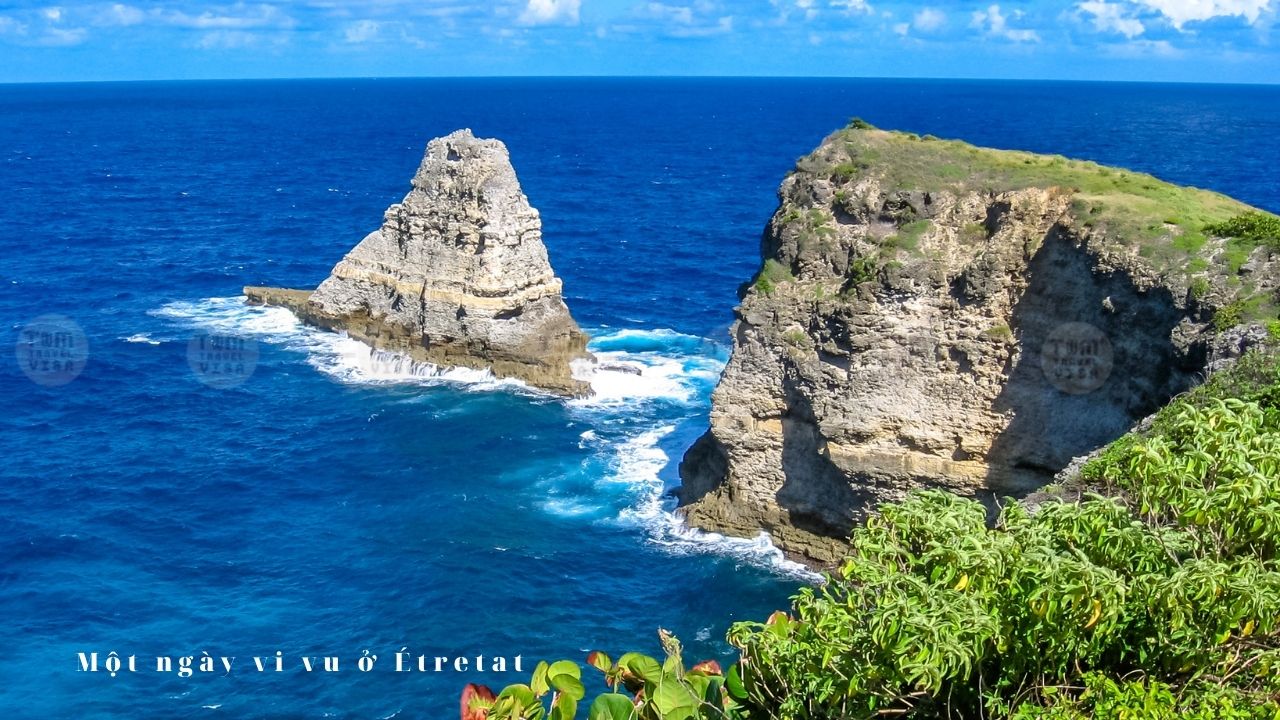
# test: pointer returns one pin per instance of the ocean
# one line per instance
(314, 501)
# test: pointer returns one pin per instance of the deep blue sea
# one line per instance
(332, 503)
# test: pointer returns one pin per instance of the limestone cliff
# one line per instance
(934, 314)
(457, 275)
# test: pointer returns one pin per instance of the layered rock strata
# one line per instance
(456, 276)
(930, 314)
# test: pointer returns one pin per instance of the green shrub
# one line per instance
(796, 338)
(845, 171)
(1253, 227)
(1158, 601)
(1001, 332)
(1106, 699)
(863, 268)
(908, 235)
(1172, 586)
(772, 273)
(1228, 316)
(858, 123)
(973, 233)
(1200, 287)
(1253, 378)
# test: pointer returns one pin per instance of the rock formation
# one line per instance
(930, 314)
(456, 276)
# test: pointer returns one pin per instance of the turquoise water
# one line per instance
(330, 502)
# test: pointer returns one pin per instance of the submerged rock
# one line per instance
(456, 276)
(931, 314)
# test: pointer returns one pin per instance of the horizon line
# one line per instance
(902, 78)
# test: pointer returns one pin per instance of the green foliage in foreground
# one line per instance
(1158, 597)
(641, 688)
(1252, 227)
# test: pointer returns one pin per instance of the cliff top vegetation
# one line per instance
(1202, 238)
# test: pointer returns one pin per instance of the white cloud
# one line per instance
(9, 26)
(721, 26)
(852, 6)
(362, 31)
(235, 17)
(1142, 49)
(226, 40)
(687, 21)
(120, 15)
(994, 23)
(902, 28)
(55, 34)
(546, 12)
(811, 9)
(675, 14)
(1111, 17)
(60, 37)
(1181, 12)
(929, 20)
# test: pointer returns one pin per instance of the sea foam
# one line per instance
(640, 462)
(644, 381)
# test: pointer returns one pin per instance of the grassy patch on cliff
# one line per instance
(1129, 201)
(771, 274)
(1180, 231)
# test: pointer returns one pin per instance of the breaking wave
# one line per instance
(645, 383)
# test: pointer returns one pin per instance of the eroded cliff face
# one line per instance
(457, 275)
(908, 332)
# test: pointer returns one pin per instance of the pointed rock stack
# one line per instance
(456, 276)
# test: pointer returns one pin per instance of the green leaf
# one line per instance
(704, 687)
(564, 708)
(642, 666)
(521, 694)
(733, 681)
(518, 701)
(600, 661)
(672, 697)
(569, 686)
(539, 683)
(611, 706)
(565, 667)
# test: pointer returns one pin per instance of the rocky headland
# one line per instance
(933, 314)
(456, 276)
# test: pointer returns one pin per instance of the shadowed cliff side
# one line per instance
(456, 276)
(931, 314)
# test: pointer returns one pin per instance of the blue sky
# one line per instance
(1168, 40)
